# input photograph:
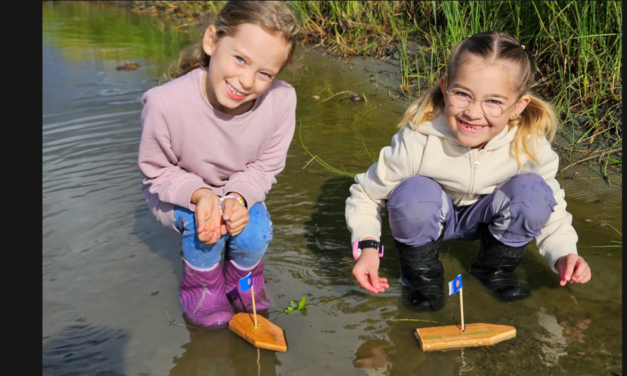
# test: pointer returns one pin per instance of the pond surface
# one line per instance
(111, 272)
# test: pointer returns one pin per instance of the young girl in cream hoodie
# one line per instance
(472, 160)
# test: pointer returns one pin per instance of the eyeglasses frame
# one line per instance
(472, 100)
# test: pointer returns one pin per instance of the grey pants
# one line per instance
(515, 212)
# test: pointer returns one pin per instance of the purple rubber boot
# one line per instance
(203, 297)
(242, 300)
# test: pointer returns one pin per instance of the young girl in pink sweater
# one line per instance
(213, 140)
(472, 161)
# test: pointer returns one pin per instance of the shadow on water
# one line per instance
(221, 352)
(161, 241)
(84, 349)
(326, 234)
(328, 238)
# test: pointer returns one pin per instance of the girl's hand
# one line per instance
(209, 227)
(366, 269)
(573, 268)
(235, 216)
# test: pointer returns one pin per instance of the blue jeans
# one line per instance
(515, 212)
(245, 248)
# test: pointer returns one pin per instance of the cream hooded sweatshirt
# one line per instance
(464, 174)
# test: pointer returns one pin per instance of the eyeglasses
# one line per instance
(491, 106)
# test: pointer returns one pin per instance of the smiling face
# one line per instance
(242, 66)
(471, 126)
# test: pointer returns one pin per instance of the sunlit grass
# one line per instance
(576, 45)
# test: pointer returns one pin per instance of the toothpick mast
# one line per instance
(461, 304)
(252, 293)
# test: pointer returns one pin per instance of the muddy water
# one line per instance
(110, 271)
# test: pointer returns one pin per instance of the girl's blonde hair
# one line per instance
(273, 16)
(537, 121)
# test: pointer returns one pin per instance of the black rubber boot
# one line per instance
(495, 264)
(422, 270)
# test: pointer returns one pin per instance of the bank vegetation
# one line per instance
(577, 47)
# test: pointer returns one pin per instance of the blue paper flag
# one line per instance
(455, 285)
(246, 282)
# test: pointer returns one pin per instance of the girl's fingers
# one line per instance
(200, 223)
(373, 282)
(237, 229)
(567, 271)
(214, 220)
(580, 270)
(587, 278)
(582, 273)
(233, 226)
(227, 209)
(384, 284)
(239, 212)
(213, 237)
(238, 221)
(362, 278)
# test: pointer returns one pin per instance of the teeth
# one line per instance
(234, 91)
(474, 127)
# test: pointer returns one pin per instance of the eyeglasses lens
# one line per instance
(492, 107)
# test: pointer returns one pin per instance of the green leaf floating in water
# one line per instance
(301, 305)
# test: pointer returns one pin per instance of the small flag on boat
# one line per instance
(455, 285)
(246, 282)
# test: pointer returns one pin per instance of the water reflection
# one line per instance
(553, 342)
(371, 357)
(221, 353)
(106, 33)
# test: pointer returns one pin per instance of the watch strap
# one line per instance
(359, 245)
(369, 244)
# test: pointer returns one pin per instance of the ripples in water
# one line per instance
(84, 349)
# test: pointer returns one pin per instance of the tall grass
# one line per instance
(576, 45)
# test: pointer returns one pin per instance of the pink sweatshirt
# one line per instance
(186, 144)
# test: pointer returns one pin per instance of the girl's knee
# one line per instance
(256, 235)
(414, 200)
(196, 252)
(414, 190)
(184, 221)
(522, 206)
(416, 208)
(532, 193)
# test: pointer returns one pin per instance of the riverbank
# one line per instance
(578, 54)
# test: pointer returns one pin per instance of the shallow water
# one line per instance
(110, 271)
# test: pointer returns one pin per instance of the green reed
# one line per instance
(576, 45)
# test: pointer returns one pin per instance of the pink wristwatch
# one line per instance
(359, 245)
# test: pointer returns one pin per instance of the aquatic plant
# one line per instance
(619, 243)
(320, 161)
(295, 305)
